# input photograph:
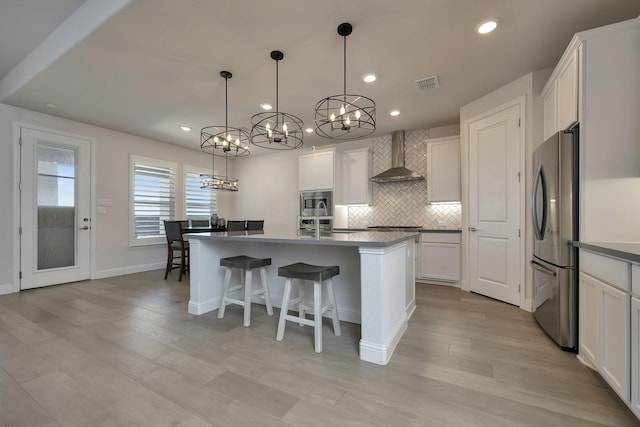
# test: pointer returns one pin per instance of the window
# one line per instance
(199, 203)
(152, 199)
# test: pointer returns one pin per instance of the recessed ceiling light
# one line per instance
(486, 27)
(266, 106)
(50, 105)
(185, 128)
(369, 78)
(309, 130)
(394, 113)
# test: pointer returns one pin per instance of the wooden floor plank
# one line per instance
(124, 351)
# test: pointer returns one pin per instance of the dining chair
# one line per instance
(236, 225)
(177, 248)
(255, 224)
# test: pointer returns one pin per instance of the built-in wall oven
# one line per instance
(314, 203)
(316, 206)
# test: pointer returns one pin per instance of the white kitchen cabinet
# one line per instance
(589, 331)
(443, 169)
(567, 88)
(356, 171)
(605, 319)
(549, 102)
(439, 258)
(615, 340)
(560, 95)
(635, 356)
(316, 170)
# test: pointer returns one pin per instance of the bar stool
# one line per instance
(319, 275)
(246, 265)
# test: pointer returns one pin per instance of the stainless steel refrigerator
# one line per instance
(554, 205)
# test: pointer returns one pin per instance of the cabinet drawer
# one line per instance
(635, 279)
(440, 237)
(609, 270)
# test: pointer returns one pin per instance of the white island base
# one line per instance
(375, 286)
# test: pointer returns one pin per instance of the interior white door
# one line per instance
(55, 206)
(494, 205)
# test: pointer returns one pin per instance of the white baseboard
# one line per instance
(438, 282)
(6, 289)
(204, 307)
(128, 270)
(380, 354)
(527, 305)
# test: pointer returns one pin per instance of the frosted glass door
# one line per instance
(55, 207)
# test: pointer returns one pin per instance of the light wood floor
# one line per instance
(124, 351)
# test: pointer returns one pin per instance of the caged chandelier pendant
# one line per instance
(276, 130)
(345, 116)
(230, 142)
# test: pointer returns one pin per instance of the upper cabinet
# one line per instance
(560, 95)
(316, 170)
(356, 171)
(443, 170)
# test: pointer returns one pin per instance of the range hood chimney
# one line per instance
(397, 173)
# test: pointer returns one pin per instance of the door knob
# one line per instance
(474, 229)
(86, 227)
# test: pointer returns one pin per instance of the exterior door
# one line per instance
(494, 205)
(55, 206)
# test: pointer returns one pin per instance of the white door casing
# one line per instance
(78, 229)
(495, 204)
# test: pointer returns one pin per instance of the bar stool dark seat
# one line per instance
(245, 265)
(319, 275)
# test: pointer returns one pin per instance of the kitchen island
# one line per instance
(375, 287)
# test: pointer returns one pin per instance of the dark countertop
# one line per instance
(626, 251)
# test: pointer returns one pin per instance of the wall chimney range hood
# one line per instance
(398, 172)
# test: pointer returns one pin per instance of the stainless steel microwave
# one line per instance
(313, 203)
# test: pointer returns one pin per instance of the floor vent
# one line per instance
(428, 83)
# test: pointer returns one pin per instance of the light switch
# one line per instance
(105, 202)
(101, 210)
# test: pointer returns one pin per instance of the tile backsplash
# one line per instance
(404, 203)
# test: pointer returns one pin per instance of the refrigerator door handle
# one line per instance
(541, 268)
(539, 224)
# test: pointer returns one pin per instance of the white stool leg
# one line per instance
(334, 308)
(248, 284)
(317, 315)
(284, 309)
(265, 288)
(301, 312)
(223, 302)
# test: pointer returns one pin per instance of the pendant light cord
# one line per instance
(277, 91)
(345, 66)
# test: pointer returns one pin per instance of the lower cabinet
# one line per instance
(615, 340)
(635, 355)
(590, 293)
(439, 258)
(606, 323)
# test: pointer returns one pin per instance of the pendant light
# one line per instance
(345, 116)
(225, 140)
(276, 130)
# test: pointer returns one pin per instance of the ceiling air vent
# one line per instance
(428, 83)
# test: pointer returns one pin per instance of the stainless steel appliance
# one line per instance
(326, 224)
(314, 203)
(554, 203)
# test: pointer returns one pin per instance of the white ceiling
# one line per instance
(146, 67)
